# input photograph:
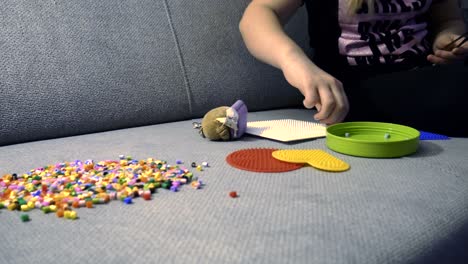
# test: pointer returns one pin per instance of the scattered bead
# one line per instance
(196, 184)
(59, 188)
(46, 209)
(194, 165)
(199, 168)
(346, 134)
(12, 206)
(24, 208)
(387, 136)
(128, 200)
(233, 194)
(147, 195)
(60, 213)
(25, 218)
(72, 215)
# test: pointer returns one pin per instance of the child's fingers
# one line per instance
(445, 54)
(311, 97)
(341, 106)
(327, 101)
(437, 60)
(460, 51)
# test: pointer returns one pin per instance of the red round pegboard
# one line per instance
(259, 160)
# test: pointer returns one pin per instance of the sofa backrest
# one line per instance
(73, 67)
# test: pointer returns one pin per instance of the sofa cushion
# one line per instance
(412, 209)
(218, 66)
(74, 67)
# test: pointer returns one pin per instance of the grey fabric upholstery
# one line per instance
(75, 67)
(218, 66)
(405, 210)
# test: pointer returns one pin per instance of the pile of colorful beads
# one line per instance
(61, 187)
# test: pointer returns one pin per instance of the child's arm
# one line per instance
(262, 30)
(448, 24)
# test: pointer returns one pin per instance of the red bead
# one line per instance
(147, 195)
(233, 194)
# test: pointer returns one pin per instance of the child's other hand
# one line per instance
(319, 88)
(444, 54)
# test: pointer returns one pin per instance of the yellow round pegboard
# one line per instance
(314, 157)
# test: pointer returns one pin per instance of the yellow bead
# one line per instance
(66, 214)
(31, 205)
(53, 208)
(12, 206)
(24, 208)
(72, 215)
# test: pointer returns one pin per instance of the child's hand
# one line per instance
(445, 53)
(319, 88)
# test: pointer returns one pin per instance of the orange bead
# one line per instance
(89, 204)
(60, 213)
(76, 204)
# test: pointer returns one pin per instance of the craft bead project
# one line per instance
(314, 157)
(286, 130)
(259, 160)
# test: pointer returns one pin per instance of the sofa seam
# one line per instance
(180, 57)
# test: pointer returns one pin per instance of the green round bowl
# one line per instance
(372, 139)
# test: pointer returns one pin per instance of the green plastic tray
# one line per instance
(372, 139)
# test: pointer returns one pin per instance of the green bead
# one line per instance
(46, 209)
(25, 218)
(166, 184)
(21, 201)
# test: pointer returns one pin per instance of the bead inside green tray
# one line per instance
(372, 139)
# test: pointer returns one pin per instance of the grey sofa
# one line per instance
(96, 79)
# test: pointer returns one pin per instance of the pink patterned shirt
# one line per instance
(396, 31)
